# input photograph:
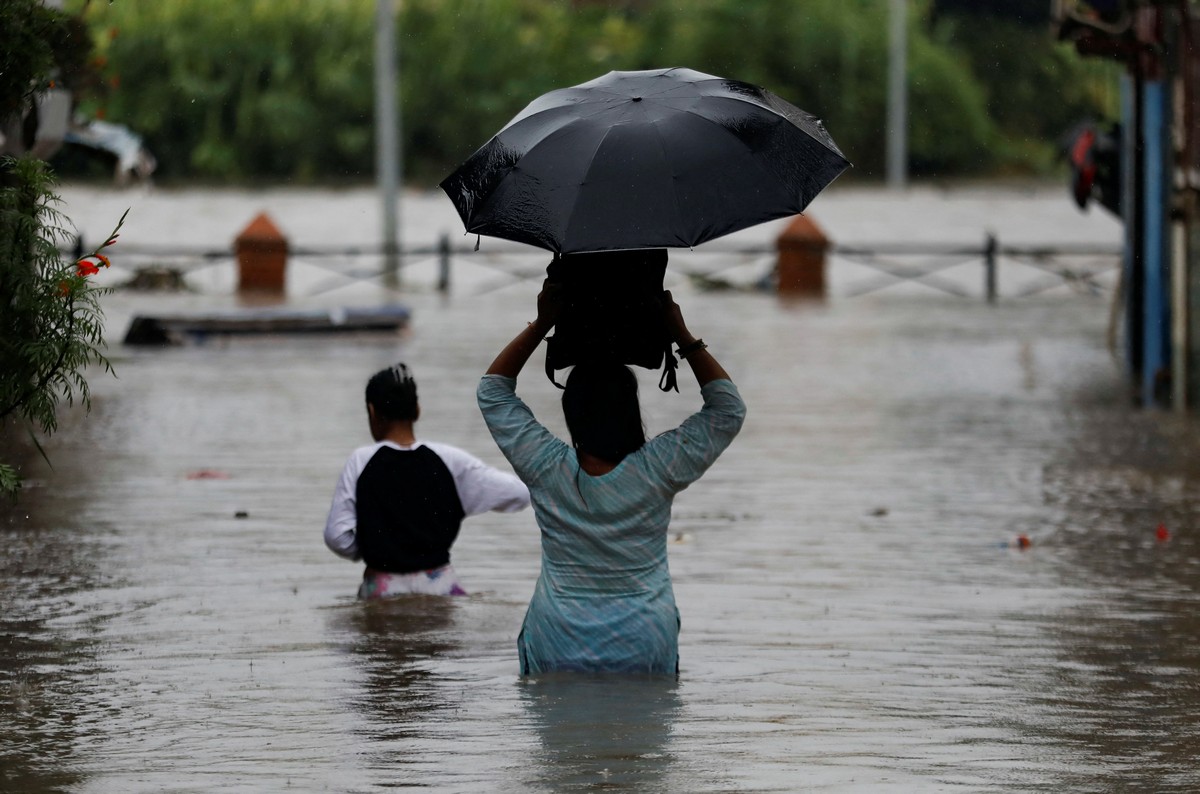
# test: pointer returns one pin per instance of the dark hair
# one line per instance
(600, 403)
(393, 392)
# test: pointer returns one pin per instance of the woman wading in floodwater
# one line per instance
(604, 601)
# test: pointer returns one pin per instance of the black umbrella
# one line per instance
(653, 159)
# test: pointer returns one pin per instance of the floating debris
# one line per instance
(157, 279)
(207, 474)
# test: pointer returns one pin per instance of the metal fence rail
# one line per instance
(1083, 268)
(963, 271)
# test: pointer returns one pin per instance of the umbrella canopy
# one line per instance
(653, 159)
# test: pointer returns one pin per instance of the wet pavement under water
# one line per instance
(857, 613)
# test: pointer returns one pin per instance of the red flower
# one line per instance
(103, 259)
(87, 268)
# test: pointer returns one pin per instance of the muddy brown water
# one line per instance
(857, 614)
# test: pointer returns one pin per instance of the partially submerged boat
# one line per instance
(177, 329)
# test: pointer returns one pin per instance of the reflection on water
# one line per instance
(417, 718)
(856, 615)
(1126, 688)
(397, 645)
(38, 732)
(602, 732)
(45, 584)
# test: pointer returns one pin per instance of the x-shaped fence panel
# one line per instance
(989, 271)
(974, 272)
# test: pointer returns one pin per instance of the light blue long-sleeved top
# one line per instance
(604, 601)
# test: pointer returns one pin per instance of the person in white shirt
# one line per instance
(399, 502)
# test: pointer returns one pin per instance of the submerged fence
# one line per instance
(987, 271)
(1031, 270)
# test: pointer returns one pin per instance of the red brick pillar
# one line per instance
(801, 263)
(261, 256)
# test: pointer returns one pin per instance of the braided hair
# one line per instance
(393, 392)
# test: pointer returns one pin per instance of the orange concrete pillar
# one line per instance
(801, 263)
(261, 256)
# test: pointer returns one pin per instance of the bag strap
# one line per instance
(549, 367)
(669, 381)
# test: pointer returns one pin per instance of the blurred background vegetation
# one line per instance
(262, 90)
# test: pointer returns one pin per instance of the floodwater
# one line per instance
(858, 615)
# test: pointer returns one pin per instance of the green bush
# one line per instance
(1035, 89)
(950, 130)
(51, 328)
(250, 89)
(282, 91)
(830, 57)
(465, 74)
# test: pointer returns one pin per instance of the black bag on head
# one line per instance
(611, 311)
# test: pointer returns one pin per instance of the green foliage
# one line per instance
(27, 55)
(51, 328)
(1034, 88)
(466, 73)
(827, 56)
(256, 88)
(950, 130)
(236, 91)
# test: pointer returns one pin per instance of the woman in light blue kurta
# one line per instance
(604, 601)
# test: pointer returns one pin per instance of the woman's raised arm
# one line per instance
(511, 360)
(704, 366)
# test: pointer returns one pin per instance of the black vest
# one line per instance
(408, 511)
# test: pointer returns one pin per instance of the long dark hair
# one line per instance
(600, 403)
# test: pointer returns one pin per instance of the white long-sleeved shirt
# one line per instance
(480, 488)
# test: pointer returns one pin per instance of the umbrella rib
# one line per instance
(591, 159)
(662, 146)
(766, 105)
(484, 204)
(593, 108)
(759, 166)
